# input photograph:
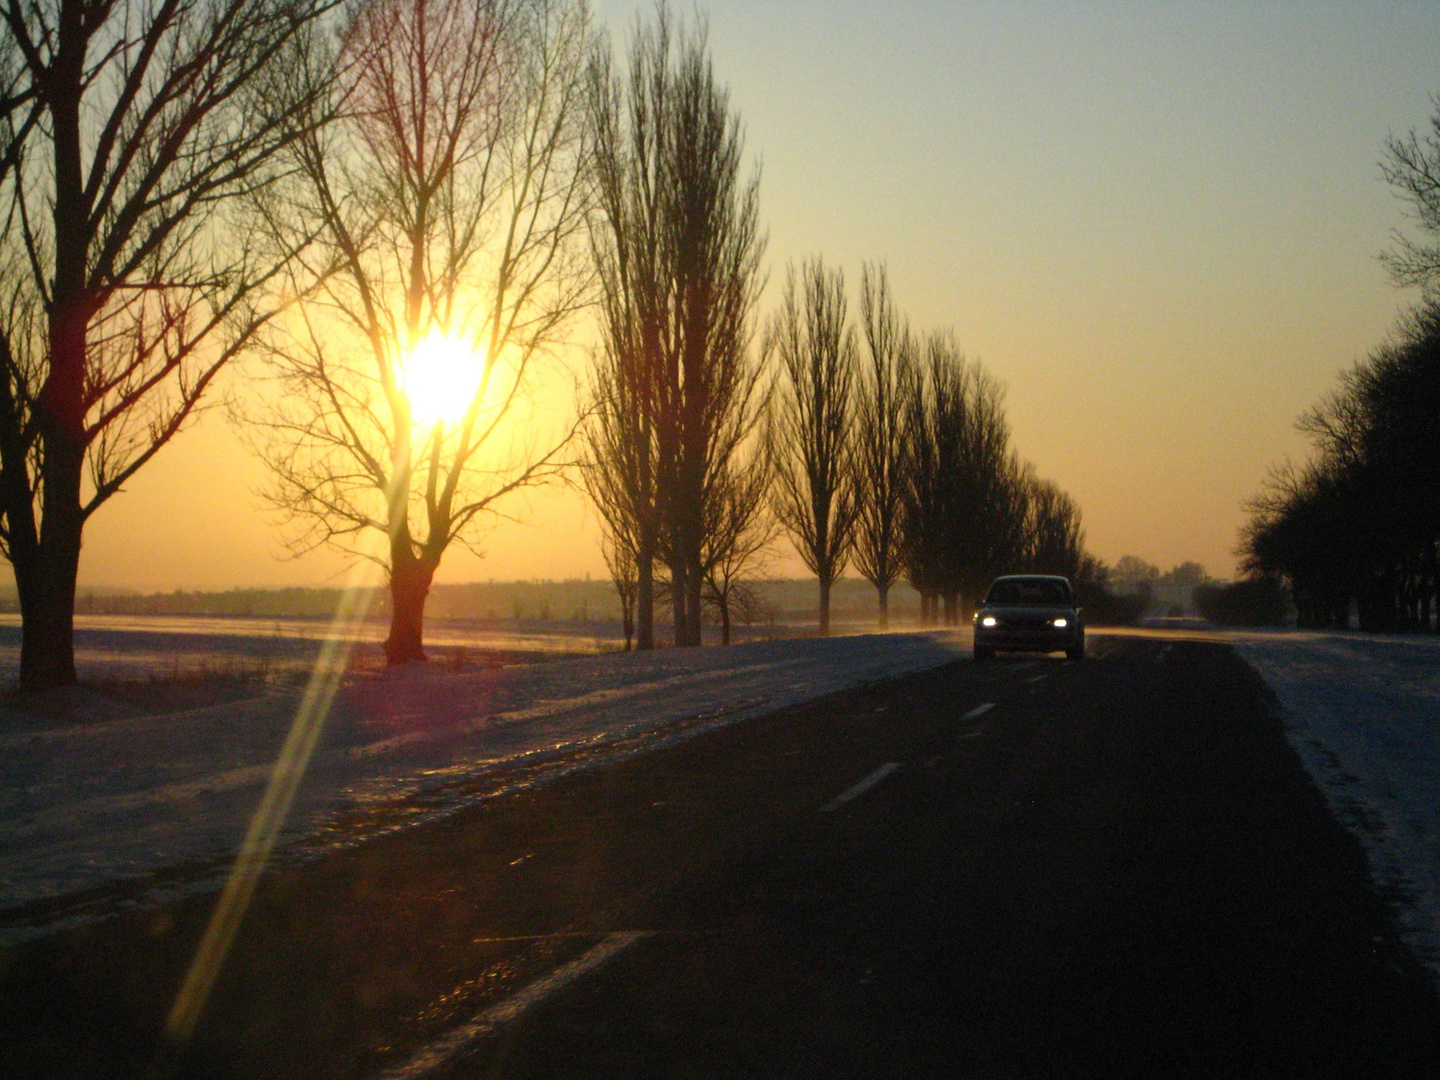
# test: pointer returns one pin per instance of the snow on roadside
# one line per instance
(1364, 714)
(101, 817)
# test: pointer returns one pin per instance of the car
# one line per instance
(1029, 613)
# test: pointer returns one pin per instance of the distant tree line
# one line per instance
(1258, 601)
(778, 603)
(1357, 525)
(1139, 586)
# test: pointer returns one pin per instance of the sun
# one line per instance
(440, 377)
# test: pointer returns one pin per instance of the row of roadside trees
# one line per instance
(1356, 528)
(711, 431)
(709, 435)
(893, 453)
(331, 187)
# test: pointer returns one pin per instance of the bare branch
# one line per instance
(448, 201)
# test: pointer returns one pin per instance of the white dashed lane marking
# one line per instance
(859, 789)
(445, 1048)
(979, 710)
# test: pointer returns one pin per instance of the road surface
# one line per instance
(1024, 868)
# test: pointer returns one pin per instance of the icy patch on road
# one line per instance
(1364, 714)
(103, 817)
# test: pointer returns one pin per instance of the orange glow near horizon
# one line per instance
(1157, 225)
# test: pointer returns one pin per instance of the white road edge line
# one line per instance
(859, 789)
(978, 710)
(443, 1049)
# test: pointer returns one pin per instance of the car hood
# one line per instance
(1026, 612)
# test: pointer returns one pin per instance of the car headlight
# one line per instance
(1062, 623)
(989, 620)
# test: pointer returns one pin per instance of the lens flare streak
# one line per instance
(269, 817)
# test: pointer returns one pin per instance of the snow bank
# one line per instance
(1364, 714)
(101, 817)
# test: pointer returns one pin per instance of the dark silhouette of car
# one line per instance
(1029, 613)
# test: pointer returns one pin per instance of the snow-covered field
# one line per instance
(98, 817)
(95, 818)
(135, 646)
(1363, 712)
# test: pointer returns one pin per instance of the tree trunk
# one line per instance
(824, 607)
(678, 597)
(45, 571)
(724, 621)
(694, 608)
(409, 587)
(627, 619)
(952, 609)
(46, 589)
(46, 581)
(645, 599)
(884, 606)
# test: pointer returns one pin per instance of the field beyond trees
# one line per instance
(781, 601)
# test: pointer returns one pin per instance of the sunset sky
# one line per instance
(1157, 224)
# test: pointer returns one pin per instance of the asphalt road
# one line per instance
(1118, 868)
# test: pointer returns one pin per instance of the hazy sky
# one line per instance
(1157, 224)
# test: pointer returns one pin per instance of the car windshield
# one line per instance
(1048, 592)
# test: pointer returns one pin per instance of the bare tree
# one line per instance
(1412, 168)
(989, 485)
(1355, 529)
(620, 561)
(814, 422)
(129, 274)
(1133, 576)
(449, 200)
(739, 532)
(965, 508)
(617, 473)
(1056, 538)
(934, 401)
(1001, 542)
(622, 470)
(714, 245)
(679, 257)
(880, 445)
